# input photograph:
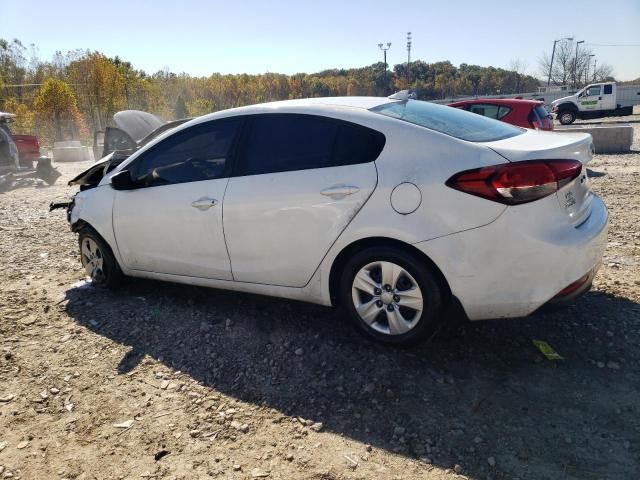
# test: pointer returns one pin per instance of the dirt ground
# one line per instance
(161, 381)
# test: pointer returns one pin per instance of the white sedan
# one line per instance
(393, 208)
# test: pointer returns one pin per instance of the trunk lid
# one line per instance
(574, 198)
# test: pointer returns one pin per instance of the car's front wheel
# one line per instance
(567, 117)
(391, 295)
(97, 259)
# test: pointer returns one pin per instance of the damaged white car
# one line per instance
(393, 208)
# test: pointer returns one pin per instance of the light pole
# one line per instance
(553, 54)
(595, 62)
(384, 49)
(586, 75)
(408, 47)
(575, 66)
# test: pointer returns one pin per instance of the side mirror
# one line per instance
(123, 181)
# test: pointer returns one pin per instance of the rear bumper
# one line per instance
(522, 260)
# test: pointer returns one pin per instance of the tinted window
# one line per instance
(608, 89)
(286, 142)
(356, 144)
(198, 153)
(451, 121)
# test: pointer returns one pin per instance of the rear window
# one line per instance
(541, 111)
(450, 121)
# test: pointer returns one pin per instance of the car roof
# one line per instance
(499, 101)
(320, 104)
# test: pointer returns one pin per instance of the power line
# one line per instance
(614, 45)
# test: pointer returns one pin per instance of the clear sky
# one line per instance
(249, 36)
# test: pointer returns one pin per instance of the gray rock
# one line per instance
(491, 461)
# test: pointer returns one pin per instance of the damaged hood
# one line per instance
(137, 124)
(91, 176)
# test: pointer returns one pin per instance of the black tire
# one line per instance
(566, 117)
(425, 324)
(109, 274)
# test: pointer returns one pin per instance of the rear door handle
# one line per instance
(340, 191)
(204, 203)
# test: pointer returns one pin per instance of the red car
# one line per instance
(519, 112)
(28, 146)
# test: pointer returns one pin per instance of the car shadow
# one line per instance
(475, 391)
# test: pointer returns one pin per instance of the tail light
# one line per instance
(518, 182)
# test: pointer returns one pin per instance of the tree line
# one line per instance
(76, 93)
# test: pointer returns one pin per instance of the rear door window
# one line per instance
(485, 109)
(288, 142)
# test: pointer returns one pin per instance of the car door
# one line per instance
(300, 180)
(608, 97)
(591, 98)
(173, 223)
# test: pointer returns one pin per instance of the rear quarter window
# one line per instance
(450, 121)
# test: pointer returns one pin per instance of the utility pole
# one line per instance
(575, 66)
(384, 49)
(553, 53)
(595, 62)
(408, 47)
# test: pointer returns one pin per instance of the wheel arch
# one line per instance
(567, 106)
(341, 259)
(81, 223)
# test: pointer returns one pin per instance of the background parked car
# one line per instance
(131, 130)
(27, 145)
(523, 113)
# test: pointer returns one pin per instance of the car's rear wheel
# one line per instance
(391, 295)
(567, 117)
(97, 259)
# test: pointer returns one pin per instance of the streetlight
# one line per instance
(575, 65)
(586, 75)
(384, 49)
(553, 54)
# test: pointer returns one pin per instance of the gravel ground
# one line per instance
(165, 381)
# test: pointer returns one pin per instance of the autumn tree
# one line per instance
(56, 112)
(99, 86)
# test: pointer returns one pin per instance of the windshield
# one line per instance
(450, 121)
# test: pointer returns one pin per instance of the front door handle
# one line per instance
(340, 191)
(204, 203)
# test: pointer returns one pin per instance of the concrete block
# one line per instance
(606, 138)
(70, 151)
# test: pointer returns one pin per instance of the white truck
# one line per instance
(595, 101)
